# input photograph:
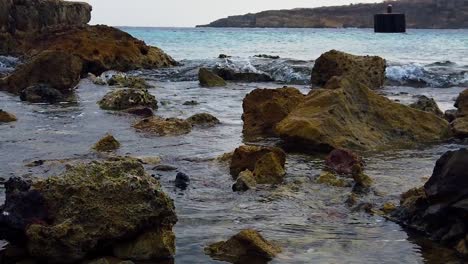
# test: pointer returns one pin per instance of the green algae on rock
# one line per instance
(95, 207)
(265, 108)
(125, 81)
(164, 126)
(107, 143)
(123, 99)
(203, 120)
(209, 79)
(368, 70)
(6, 117)
(248, 246)
(427, 104)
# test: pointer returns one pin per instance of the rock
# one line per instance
(439, 209)
(203, 120)
(6, 117)
(164, 167)
(164, 126)
(182, 181)
(450, 115)
(388, 208)
(362, 183)
(246, 158)
(141, 111)
(209, 79)
(265, 56)
(192, 102)
(63, 72)
(245, 181)
(460, 125)
(41, 94)
(65, 218)
(269, 169)
(232, 75)
(344, 161)
(149, 160)
(123, 99)
(356, 118)
(36, 16)
(106, 144)
(368, 70)
(151, 245)
(248, 246)
(427, 104)
(331, 179)
(125, 81)
(223, 56)
(265, 108)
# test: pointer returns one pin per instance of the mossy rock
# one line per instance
(107, 143)
(123, 99)
(164, 126)
(245, 181)
(248, 246)
(203, 120)
(129, 82)
(427, 104)
(269, 169)
(6, 117)
(246, 157)
(331, 179)
(209, 79)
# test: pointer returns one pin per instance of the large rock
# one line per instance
(354, 117)
(265, 108)
(6, 117)
(209, 79)
(427, 104)
(164, 126)
(123, 99)
(367, 70)
(248, 246)
(266, 163)
(19, 16)
(440, 209)
(41, 93)
(460, 124)
(89, 208)
(232, 75)
(56, 69)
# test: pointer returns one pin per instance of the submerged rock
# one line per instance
(343, 161)
(265, 108)
(141, 111)
(41, 94)
(460, 124)
(182, 180)
(125, 81)
(245, 181)
(232, 75)
(203, 120)
(164, 126)
(427, 104)
(368, 70)
(331, 179)
(248, 246)
(6, 117)
(123, 99)
(90, 208)
(266, 163)
(107, 143)
(357, 118)
(266, 56)
(56, 69)
(209, 79)
(440, 208)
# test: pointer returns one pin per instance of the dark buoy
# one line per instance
(390, 22)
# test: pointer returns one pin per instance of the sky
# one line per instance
(188, 13)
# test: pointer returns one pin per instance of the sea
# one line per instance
(311, 222)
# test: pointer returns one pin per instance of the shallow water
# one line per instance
(310, 221)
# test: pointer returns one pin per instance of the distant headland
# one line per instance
(436, 14)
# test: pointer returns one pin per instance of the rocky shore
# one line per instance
(106, 206)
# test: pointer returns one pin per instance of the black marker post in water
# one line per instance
(390, 22)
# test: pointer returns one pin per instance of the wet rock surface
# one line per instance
(203, 120)
(265, 108)
(123, 80)
(440, 208)
(107, 143)
(91, 207)
(248, 246)
(208, 78)
(427, 104)
(6, 117)
(124, 99)
(460, 124)
(232, 75)
(245, 181)
(344, 161)
(164, 126)
(370, 71)
(41, 94)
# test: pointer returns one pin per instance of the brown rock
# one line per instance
(343, 161)
(107, 143)
(246, 158)
(164, 126)
(427, 104)
(203, 120)
(245, 181)
(265, 108)
(331, 179)
(248, 246)
(124, 99)
(367, 70)
(269, 169)
(460, 124)
(209, 79)
(6, 117)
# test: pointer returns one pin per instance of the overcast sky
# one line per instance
(188, 13)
